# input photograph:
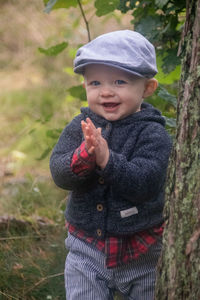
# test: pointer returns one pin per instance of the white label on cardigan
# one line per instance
(129, 212)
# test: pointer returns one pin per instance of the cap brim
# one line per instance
(81, 68)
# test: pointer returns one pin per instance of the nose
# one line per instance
(106, 91)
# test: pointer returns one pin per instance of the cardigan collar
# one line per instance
(147, 113)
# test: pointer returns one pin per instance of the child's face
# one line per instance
(113, 93)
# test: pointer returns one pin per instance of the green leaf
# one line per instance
(169, 78)
(55, 4)
(105, 6)
(54, 50)
(171, 122)
(161, 3)
(53, 133)
(148, 27)
(44, 154)
(164, 94)
(78, 92)
(170, 61)
(31, 131)
(126, 5)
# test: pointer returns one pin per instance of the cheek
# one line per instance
(139, 92)
(91, 95)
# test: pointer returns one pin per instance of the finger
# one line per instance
(85, 129)
(94, 141)
(99, 129)
(91, 150)
(83, 126)
(89, 121)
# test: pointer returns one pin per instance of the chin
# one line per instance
(112, 118)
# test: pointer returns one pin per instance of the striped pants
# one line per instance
(87, 278)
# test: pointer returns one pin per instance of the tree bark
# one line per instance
(179, 266)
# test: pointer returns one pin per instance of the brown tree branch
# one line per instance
(85, 20)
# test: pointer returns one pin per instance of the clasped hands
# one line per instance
(95, 143)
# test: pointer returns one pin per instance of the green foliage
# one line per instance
(164, 94)
(55, 4)
(78, 92)
(104, 7)
(161, 3)
(54, 50)
(170, 61)
(32, 125)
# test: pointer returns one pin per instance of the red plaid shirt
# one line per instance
(121, 249)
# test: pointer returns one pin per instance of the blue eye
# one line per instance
(95, 82)
(120, 82)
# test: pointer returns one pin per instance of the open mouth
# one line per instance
(110, 105)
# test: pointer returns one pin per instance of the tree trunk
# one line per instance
(179, 267)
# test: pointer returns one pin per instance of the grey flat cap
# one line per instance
(124, 49)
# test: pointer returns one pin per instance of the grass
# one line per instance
(32, 264)
(32, 233)
(32, 252)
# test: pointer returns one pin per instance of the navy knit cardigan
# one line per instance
(130, 190)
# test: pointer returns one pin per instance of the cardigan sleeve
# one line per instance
(142, 176)
(61, 158)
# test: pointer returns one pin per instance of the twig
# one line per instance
(22, 237)
(8, 296)
(42, 280)
(85, 20)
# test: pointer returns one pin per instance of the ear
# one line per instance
(150, 87)
(83, 84)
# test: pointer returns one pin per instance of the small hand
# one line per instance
(96, 143)
(88, 137)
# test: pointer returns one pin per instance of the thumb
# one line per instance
(99, 129)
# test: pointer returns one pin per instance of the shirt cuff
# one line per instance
(82, 162)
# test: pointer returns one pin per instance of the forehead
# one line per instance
(101, 70)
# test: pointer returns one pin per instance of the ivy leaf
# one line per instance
(164, 94)
(54, 50)
(78, 92)
(105, 6)
(161, 3)
(55, 4)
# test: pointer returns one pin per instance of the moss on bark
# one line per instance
(179, 267)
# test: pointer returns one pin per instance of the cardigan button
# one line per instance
(101, 180)
(99, 207)
(99, 232)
